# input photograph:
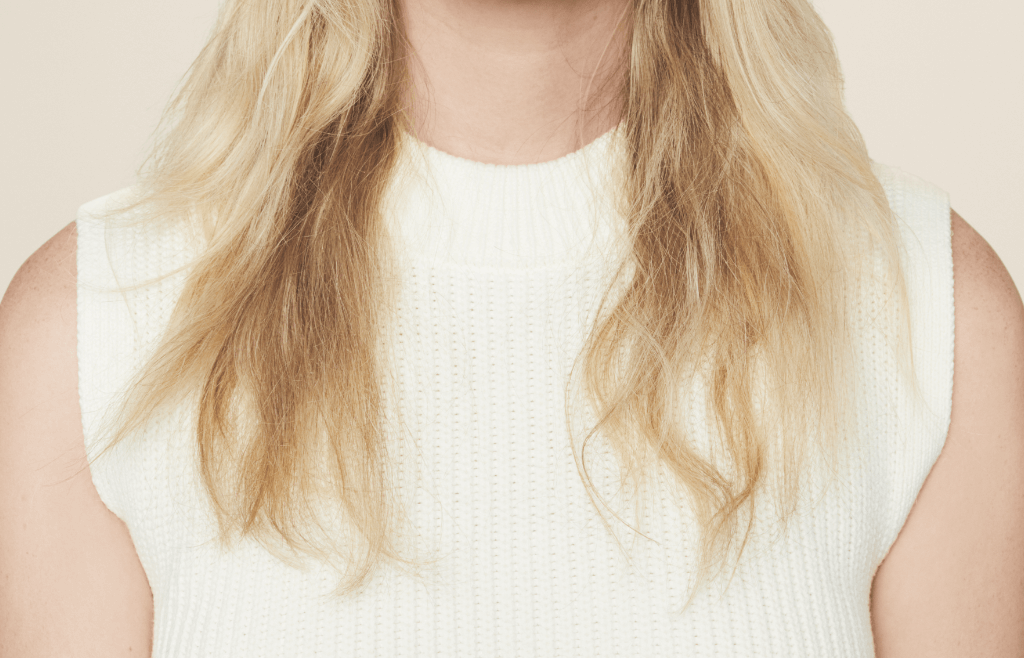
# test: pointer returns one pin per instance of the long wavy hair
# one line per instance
(753, 216)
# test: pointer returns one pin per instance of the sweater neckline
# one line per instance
(469, 166)
(453, 211)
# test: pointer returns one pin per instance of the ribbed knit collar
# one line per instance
(453, 211)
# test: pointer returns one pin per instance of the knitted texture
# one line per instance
(503, 270)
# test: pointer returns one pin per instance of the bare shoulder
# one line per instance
(953, 582)
(72, 581)
(42, 294)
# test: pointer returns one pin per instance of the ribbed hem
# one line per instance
(451, 210)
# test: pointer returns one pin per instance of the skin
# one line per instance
(514, 82)
(953, 582)
(501, 82)
(71, 583)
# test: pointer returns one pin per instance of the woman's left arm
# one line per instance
(952, 584)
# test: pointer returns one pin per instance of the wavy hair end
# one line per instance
(753, 218)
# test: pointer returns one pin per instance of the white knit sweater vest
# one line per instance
(503, 269)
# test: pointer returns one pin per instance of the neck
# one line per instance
(515, 81)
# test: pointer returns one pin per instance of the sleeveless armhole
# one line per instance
(118, 327)
(923, 213)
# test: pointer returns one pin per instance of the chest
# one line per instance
(513, 556)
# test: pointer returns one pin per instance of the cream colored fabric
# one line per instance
(505, 266)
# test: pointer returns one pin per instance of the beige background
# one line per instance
(936, 88)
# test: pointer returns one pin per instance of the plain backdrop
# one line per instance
(935, 86)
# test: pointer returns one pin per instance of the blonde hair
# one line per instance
(752, 212)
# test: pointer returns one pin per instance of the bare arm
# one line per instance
(70, 581)
(953, 583)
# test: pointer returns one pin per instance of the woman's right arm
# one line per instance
(70, 580)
